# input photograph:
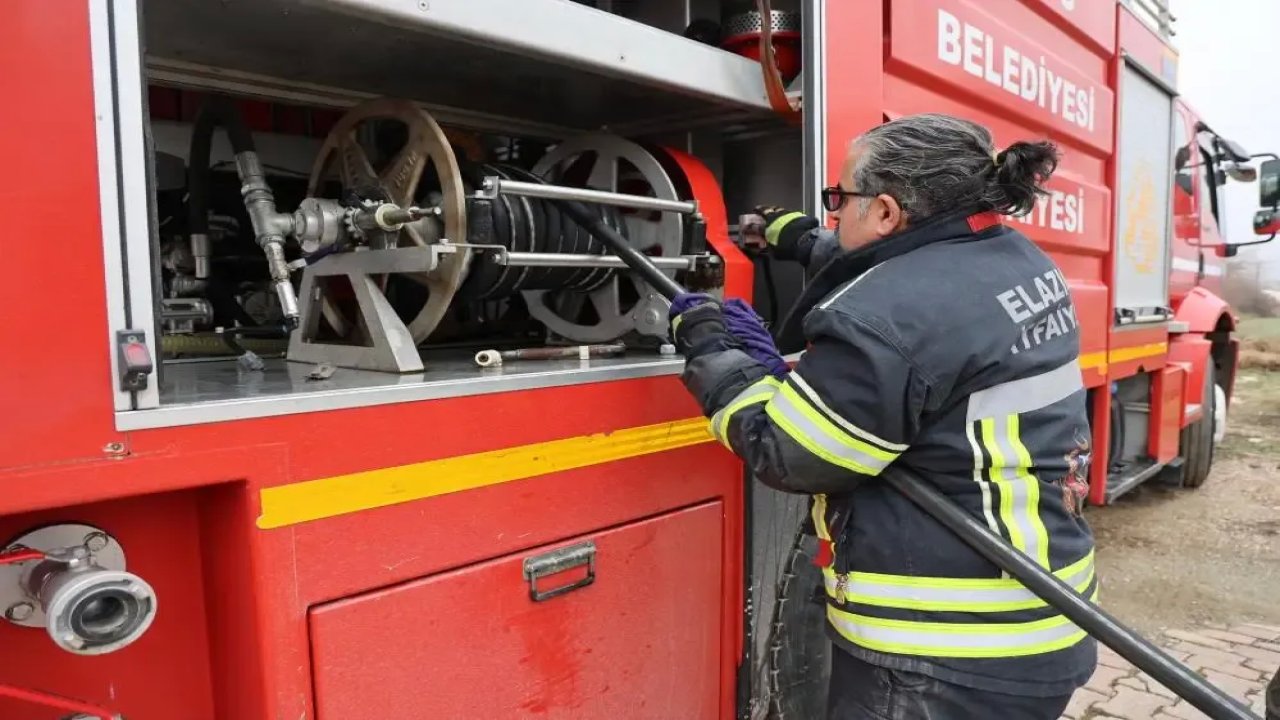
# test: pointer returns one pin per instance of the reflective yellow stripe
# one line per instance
(974, 640)
(775, 228)
(815, 433)
(957, 594)
(1019, 490)
(284, 505)
(811, 396)
(758, 392)
(1005, 491)
(1041, 545)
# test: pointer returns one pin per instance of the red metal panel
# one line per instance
(170, 663)
(56, 371)
(1192, 353)
(1093, 21)
(739, 273)
(853, 69)
(1100, 411)
(1146, 48)
(472, 643)
(1167, 407)
(1011, 59)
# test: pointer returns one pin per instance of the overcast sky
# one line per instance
(1227, 51)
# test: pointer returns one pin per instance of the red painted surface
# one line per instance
(231, 639)
(641, 641)
(1202, 310)
(989, 51)
(1192, 352)
(739, 274)
(61, 384)
(1167, 407)
(1090, 22)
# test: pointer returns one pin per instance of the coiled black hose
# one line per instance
(217, 112)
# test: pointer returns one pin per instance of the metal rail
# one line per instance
(576, 260)
(1156, 14)
(498, 186)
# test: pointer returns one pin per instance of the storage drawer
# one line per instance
(642, 639)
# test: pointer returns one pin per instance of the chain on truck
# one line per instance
(344, 418)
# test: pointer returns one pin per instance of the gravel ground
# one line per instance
(1173, 558)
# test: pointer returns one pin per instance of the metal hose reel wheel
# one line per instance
(607, 162)
(425, 149)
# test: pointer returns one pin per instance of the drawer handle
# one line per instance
(565, 558)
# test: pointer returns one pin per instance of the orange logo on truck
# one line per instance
(1139, 239)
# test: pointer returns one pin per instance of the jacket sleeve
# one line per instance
(848, 409)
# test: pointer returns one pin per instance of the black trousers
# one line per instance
(861, 691)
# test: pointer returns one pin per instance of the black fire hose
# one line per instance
(1062, 597)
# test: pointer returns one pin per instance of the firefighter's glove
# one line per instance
(701, 325)
(698, 327)
(749, 329)
(784, 228)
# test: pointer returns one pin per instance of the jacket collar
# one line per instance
(844, 267)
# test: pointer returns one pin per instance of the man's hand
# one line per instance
(783, 228)
(701, 325)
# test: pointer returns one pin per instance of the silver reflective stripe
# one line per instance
(983, 485)
(952, 593)
(805, 432)
(849, 427)
(956, 639)
(1019, 493)
(1027, 394)
(758, 392)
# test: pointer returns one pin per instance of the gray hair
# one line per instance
(936, 164)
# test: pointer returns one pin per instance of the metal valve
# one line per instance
(71, 580)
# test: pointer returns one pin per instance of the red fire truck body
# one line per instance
(560, 541)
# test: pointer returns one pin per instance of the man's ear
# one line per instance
(889, 217)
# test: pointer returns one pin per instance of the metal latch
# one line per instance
(133, 360)
(566, 558)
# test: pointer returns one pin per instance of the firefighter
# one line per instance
(942, 344)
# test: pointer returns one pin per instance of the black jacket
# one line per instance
(950, 350)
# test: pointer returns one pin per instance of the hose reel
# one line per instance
(480, 232)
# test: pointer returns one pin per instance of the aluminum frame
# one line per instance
(815, 105)
(109, 197)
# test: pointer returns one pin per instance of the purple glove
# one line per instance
(685, 301)
(749, 329)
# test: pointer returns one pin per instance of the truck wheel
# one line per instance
(1198, 438)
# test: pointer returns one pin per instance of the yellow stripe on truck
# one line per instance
(1100, 360)
(300, 502)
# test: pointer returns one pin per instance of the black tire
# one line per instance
(1197, 438)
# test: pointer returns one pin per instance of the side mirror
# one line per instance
(1241, 173)
(1266, 222)
(1269, 185)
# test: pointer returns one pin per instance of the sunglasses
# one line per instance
(834, 198)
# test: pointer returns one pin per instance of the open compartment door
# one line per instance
(1144, 170)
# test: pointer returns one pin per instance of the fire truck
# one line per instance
(350, 419)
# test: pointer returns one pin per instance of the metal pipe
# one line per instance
(641, 264)
(501, 186)
(1062, 597)
(493, 358)
(534, 259)
(1089, 617)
